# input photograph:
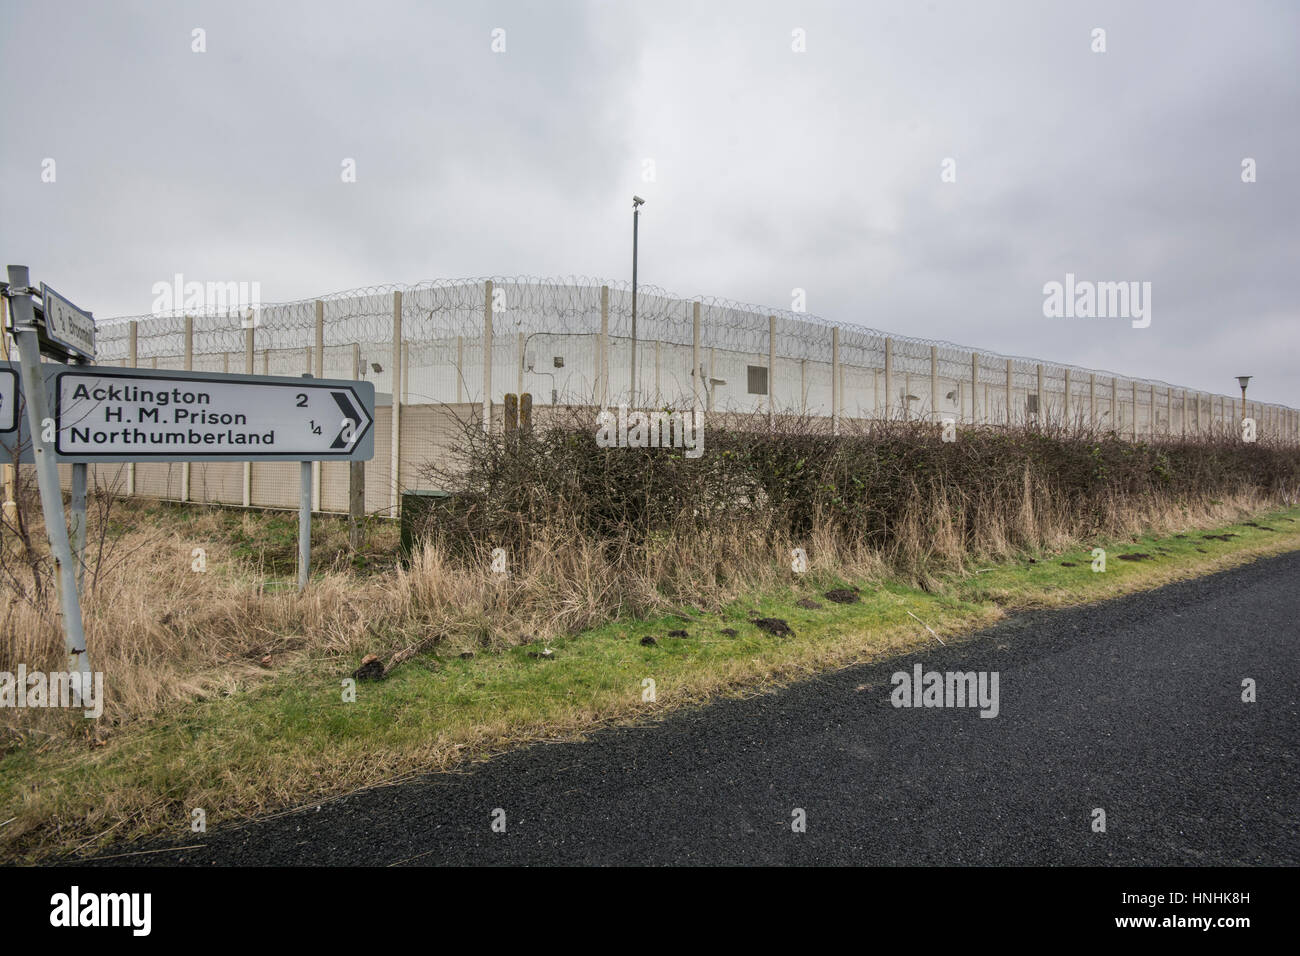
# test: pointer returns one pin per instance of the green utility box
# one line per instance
(418, 514)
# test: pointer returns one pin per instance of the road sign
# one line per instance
(8, 399)
(66, 325)
(121, 414)
(15, 447)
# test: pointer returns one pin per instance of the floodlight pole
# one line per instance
(637, 201)
(47, 472)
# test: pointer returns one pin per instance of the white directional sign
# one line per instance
(68, 325)
(8, 399)
(150, 415)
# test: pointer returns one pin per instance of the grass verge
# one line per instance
(292, 739)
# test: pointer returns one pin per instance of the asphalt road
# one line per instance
(1133, 706)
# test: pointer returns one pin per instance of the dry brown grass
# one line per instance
(162, 634)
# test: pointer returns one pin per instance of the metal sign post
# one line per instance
(41, 427)
(77, 520)
(304, 521)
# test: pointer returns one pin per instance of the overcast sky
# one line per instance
(772, 169)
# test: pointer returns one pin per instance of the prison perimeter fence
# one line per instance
(440, 353)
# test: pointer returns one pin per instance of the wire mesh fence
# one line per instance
(445, 351)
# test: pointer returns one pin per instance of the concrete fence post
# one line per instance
(133, 357)
(889, 378)
(520, 344)
(356, 475)
(771, 371)
(1092, 400)
(1133, 387)
(487, 357)
(1010, 391)
(189, 367)
(934, 384)
(1114, 405)
(1153, 413)
(602, 357)
(697, 370)
(1042, 399)
(395, 439)
(248, 370)
(1066, 409)
(835, 380)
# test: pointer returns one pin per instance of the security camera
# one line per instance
(638, 201)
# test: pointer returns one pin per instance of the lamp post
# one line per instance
(1243, 381)
(637, 203)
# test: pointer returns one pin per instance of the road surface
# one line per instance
(1133, 707)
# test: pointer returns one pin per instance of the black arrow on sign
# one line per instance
(350, 414)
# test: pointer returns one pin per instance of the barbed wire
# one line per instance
(447, 310)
